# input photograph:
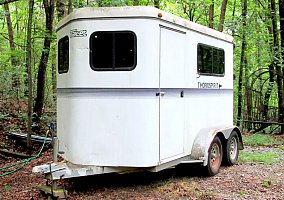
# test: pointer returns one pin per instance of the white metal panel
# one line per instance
(172, 69)
(141, 12)
(80, 75)
(171, 82)
(206, 108)
(109, 127)
(193, 78)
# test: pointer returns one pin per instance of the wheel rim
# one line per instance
(215, 158)
(233, 148)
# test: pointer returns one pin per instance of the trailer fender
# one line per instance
(205, 137)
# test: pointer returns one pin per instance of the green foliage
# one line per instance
(267, 158)
(7, 187)
(261, 140)
(281, 148)
(3, 115)
(268, 182)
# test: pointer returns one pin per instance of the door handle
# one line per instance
(160, 94)
(182, 94)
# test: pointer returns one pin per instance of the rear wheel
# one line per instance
(215, 155)
(232, 149)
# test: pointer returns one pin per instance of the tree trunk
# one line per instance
(276, 59)
(243, 61)
(3, 2)
(222, 15)
(53, 75)
(233, 16)
(271, 69)
(281, 14)
(135, 2)
(49, 13)
(70, 8)
(29, 68)
(211, 15)
(157, 3)
(61, 9)
(248, 103)
(14, 61)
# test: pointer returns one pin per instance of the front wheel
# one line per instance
(215, 155)
(232, 149)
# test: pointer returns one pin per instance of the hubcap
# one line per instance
(233, 148)
(215, 156)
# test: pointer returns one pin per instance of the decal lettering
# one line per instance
(78, 33)
(203, 85)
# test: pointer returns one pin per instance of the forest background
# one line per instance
(28, 56)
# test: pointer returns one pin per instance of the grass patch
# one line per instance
(281, 148)
(259, 157)
(184, 189)
(7, 187)
(261, 140)
(268, 182)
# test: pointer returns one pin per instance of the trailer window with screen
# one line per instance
(113, 51)
(210, 60)
(63, 55)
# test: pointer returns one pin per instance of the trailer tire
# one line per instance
(232, 149)
(215, 155)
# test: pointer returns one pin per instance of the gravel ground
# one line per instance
(241, 181)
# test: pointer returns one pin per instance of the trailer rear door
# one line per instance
(172, 59)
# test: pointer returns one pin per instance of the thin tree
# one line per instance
(29, 69)
(70, 8)
(281, 14)
(157, 3)
(243, 61)
(271, 70)
(61, 9)
(14, 60)
(276, 59)
(211, 15)
(41, 76)
(3, 2)
(222, 15)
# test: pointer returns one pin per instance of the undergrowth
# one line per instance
(259, 157)
(257, 152)
(261, 140)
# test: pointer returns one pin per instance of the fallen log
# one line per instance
(2, 157)
(34, 138)
(14, 154)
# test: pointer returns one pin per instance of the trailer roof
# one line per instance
(140, 12)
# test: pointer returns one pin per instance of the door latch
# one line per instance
(160, 94)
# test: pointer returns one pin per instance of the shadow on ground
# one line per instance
(114, 180)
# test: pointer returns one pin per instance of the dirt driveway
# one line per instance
(242, 181)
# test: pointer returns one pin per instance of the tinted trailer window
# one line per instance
(63, 55)
(210, 60)
(113, 51)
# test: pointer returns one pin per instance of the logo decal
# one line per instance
(78, 33)
(203, 85)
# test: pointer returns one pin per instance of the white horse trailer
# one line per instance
(142, 89)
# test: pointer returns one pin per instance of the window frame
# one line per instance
(64, 70)
(212, 66)
(113, 68)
